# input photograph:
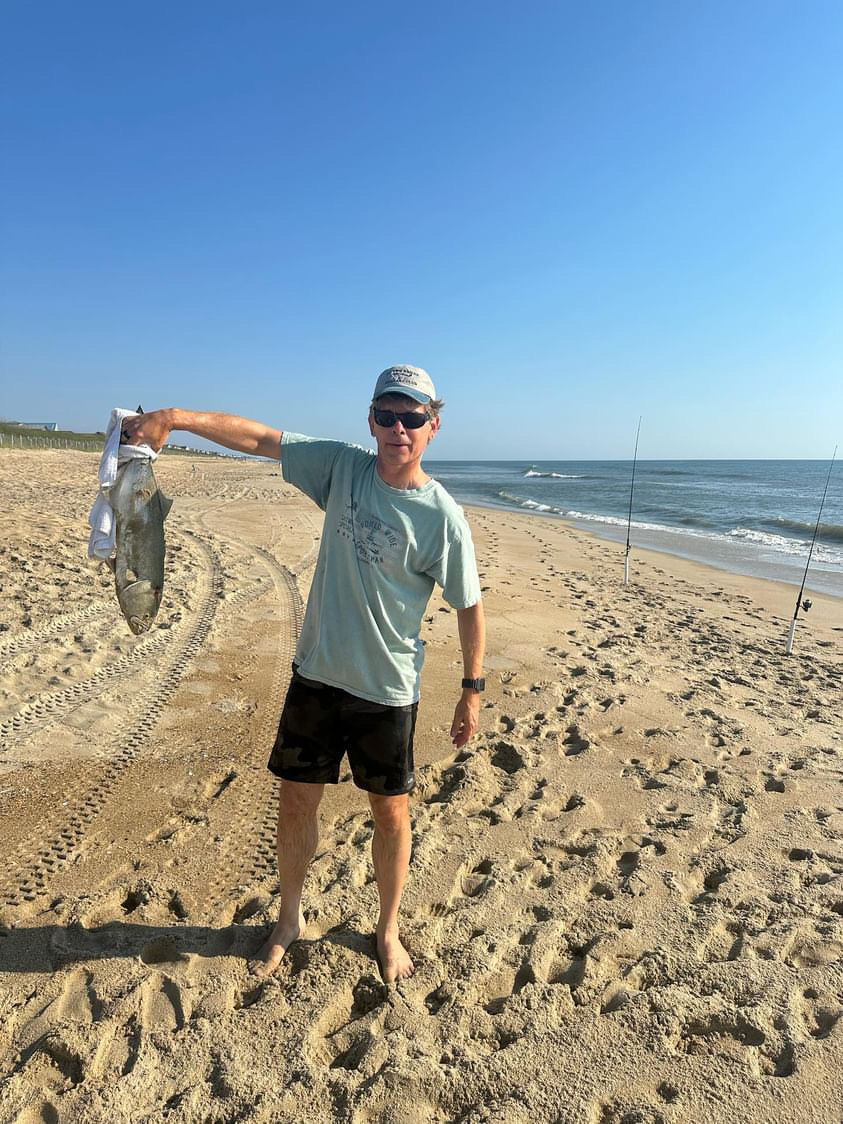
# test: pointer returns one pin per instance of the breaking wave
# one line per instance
(832, 532)
(531, 505)
(555, 475)
(796, 547)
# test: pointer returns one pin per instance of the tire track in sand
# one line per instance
(52, 706)
(35, 638)
(27, 870)
(249, 800)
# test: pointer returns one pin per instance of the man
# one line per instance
(390, 534)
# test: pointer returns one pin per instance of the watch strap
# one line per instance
(474, 684)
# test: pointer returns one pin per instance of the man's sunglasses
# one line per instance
(410, 419)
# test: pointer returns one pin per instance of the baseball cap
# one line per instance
(403, 379)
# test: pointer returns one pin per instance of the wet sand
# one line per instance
(626, 895)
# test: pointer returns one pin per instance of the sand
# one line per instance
(626, 896)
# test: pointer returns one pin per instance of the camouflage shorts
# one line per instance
(319, 724)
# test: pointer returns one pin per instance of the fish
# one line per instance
(140, 509)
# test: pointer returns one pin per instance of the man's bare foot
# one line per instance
(274, 949)
(393, 958)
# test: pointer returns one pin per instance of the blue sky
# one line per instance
(570, 214)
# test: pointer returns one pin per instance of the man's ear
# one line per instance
(371, 421)
(434, 427)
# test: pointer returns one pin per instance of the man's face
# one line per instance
(398, 444)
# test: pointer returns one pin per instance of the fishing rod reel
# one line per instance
(805, 603)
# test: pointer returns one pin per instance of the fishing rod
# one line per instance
(629, 520)
(806, 604)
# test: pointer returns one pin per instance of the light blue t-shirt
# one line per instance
(382, 551)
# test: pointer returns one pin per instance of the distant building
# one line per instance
(38, 425)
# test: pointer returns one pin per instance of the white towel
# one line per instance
(102, 542)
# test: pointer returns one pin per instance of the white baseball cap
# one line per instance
(403, 379)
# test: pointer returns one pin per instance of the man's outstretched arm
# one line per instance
(240, 434)
(472, 628)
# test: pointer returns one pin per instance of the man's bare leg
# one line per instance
(391, 857)
(298, 834)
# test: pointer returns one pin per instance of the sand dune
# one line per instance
(626, 897)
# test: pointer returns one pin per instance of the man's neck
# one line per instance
(405, 476)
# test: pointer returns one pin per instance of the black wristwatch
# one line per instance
(474, 684)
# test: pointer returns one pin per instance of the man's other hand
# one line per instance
(466, 718)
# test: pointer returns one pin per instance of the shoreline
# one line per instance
(820, 582)
(777, 596)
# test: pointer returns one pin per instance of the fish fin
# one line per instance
(166, 504)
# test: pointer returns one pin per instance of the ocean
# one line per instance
(750, 517)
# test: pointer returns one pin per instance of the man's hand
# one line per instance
(229, 430)
(466, 717)
(472, 629)
(151, 429)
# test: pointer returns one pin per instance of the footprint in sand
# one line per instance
(507, 758)
(625, 1111)
(478, 882)
(726, 941)
(734, 1036)
(631, 873)
(574, 741)
(162, 1004)
(351, 1026)
(451, 780)
(773, 783)
(812, 951)
(817, 1014)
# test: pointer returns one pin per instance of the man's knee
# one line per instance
(390, 813)
(298, 799)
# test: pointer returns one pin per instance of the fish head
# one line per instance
(140, 602)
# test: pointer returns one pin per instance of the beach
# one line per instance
(625, 902)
